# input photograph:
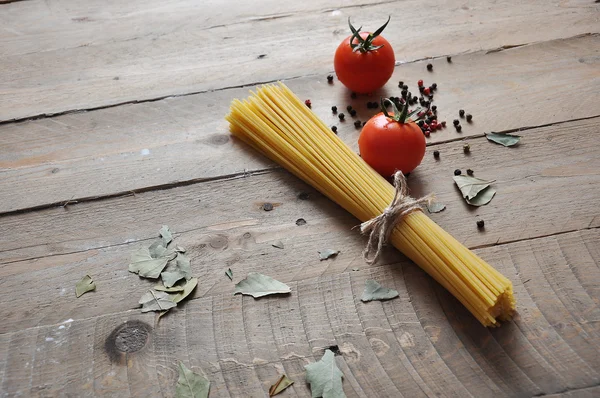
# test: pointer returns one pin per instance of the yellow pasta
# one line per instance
(274, 121)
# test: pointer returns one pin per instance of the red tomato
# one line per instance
(387, 145)
(368, 68)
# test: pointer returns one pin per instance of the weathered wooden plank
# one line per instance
(136, 146)
(50, 250)
(67, 55)
(232, 338)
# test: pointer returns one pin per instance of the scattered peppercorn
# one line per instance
(304, 196)
(330, 79)
(461, 113)
(341, 116)
(400, 84)
(420, 123)
(459, 128)
(469, 117)
(404, 87)
(470, 172)
(427, 91)
(404, 93)
(429, 67)
(427, 133)
(267, 206)
(420, 83)
(439, 126)
(334, 109)
(434, 86)
(334, 129)
(466, 148)
(434, 108)
(457, 172)
(353, 95)
(426, 103)
(357, 124)
(349, 108)
(444, 123)
(352, 112)
(415, 99)
(427, 120)
(436, 154)
(308, 103)
(421, 88)
(300, 221)
(480, 224)
(456, 122)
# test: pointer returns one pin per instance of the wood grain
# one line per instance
(134, 147)
(65, 54)
(425, 333)
(51, 249)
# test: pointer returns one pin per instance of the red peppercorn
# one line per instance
(426, 91)
(427, 133)
(420, 83)
(429, 113)
(308, 103)
(425, 126)
(439, 126)
(444, 124)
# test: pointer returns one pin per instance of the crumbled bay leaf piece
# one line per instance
(86, 284)
(229, 274)
(325, 377)
(503, 139)
(156, 301)
(374, 291)
(435, 207)
(166, 236)
(259, 285)
(477, 192)
(278, 244)
(176, 270)
(328, 253)
(191, 384)
(144, 264)
(281, 384)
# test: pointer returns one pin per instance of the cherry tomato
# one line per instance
(364, 65)
(387, 145)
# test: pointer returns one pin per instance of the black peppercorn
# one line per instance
(330, 79)
(436, 154)
(400, 84)
(357, 124)
(459, 128)
(267, 206)
(404, 87)
(434, 108)
(341, 116)
(352, 112)
(428, 120)
(334, 129)
(420, 123)
(466, 148)
(415, 99)
(404, 93)
(456, 122)
(461, 113)
(434, 86)
(469, 117)
(429, 67)
(334, 109)
(457, 172)
(349, 108)
(480, 224)
(449, 59)
(470, 172)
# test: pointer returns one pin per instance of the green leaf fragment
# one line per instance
(156, 301)
(325, 377)
(187, 289)
(166, 235)
(143, 264)
(259, 285)
(86, 284)
(435, 207)
(374, 291)
(172, 289)
(229, 274)
(503, 139)
(281, 384)
(190, 384)
(328, 253)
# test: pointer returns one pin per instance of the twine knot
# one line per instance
(382, 226)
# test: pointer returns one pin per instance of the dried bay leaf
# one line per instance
(187, 289)
(435, 207)
(172, 289)
(325, 377)
(157, 250)
(503, 139)
(470, 186)
(177, 270)
(259, 285)
(190, 384)
(143, 264)
(328, 253)
(374, 291)
(86, 284)
(165, 235)
(156, 301)
(281, 384)
(483, 198)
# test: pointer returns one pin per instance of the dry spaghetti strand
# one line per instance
(277, 123)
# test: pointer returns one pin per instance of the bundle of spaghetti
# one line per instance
(277, 123)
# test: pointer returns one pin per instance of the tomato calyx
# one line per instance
(403, 116)
(366, 44)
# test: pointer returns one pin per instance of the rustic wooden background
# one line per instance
(111, 125)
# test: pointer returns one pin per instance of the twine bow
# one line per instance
(382, 226)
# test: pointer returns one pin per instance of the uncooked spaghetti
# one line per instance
(277, 123)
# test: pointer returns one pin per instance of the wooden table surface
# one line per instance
(112, 125)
